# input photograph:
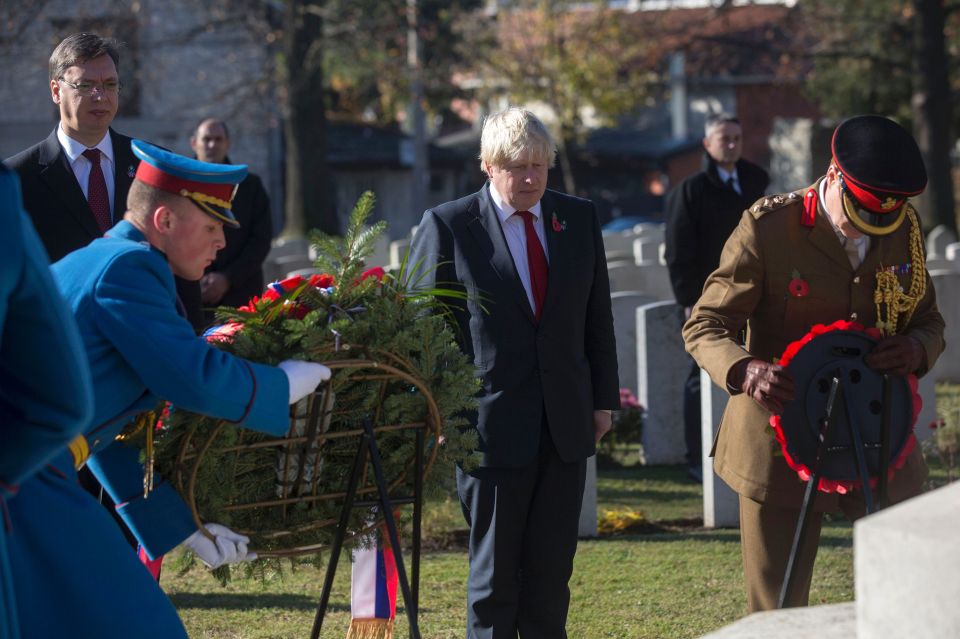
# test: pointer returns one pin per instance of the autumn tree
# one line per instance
(894, 57)
(587, 64)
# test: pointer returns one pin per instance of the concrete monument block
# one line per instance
(662, 369)
(837, 621)
(721, 506)
(907, 568)
(588, 510)
(625, 305)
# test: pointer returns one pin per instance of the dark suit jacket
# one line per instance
(241, 260)
(63, 219)
(53, 197)
(701, 214)
(566, 365)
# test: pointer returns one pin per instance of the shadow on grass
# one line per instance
(248, 601)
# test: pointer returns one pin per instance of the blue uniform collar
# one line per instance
(124, 230)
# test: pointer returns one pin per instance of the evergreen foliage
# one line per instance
(345, 314)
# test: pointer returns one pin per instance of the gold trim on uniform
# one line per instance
(80, 450)
(889, 295)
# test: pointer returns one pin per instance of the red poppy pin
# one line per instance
(558, 224)
(798, 286)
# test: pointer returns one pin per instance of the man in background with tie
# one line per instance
(537, 324)
(701, 212)
(75, 182)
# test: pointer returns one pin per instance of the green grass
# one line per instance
(672, 585)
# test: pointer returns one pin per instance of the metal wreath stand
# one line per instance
(843, 427)
(307, 447)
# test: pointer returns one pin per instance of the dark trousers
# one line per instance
(523, 537)
(691, 417)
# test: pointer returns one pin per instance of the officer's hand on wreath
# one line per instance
(897, 355)
(304, 377)
(226, 547)
(768, 384)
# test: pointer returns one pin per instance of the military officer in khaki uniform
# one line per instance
(813, 257)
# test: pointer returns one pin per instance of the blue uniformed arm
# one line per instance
(136, 309)
(45, 388)
(159, 522)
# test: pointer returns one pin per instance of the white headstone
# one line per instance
(618, 245)
(398, 249)
(381, 253)
(646, 250)
(625, 305)
(952, 254)
(588, 509)
(625, 276)
(662, 369)
(937, 240)
(721, 506)
(947, 285)
(907, 568)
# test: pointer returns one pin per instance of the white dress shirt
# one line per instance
(516, 236)
(725, 177)
(81, 166)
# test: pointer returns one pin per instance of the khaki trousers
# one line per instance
(766, 536)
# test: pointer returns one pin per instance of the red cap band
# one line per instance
(151, 175)
(870, 201)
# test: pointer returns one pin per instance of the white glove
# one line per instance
(227, 547)
(304, 377)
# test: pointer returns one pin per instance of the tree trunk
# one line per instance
(931, 111)
(309, 200)
(564, 146)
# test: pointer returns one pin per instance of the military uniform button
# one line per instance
(96, 443)
(853, 316)
(856, 280)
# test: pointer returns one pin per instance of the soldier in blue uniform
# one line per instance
(74, 574)
(45, 393)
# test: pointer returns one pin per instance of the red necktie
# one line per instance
(536, 262)
(97, 191)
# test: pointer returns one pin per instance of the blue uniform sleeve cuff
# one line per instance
(159, 522)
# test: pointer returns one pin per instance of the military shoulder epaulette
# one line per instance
(774, 202)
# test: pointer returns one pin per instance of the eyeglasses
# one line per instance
(86, 89)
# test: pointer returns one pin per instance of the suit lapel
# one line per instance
(486, 230)
(124, 167)
(556, 251)
(56, 173)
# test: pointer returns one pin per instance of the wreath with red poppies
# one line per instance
(832, 485)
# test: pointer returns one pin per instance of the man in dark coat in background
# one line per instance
(701, 212)
(237, 273)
